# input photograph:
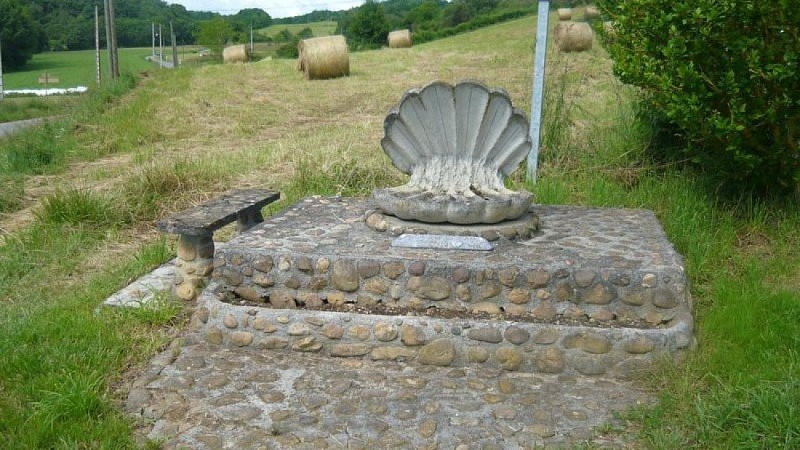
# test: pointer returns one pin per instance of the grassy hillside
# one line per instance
(325, 28)
(83, 227)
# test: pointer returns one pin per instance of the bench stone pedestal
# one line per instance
(195, 229)
(194, 265)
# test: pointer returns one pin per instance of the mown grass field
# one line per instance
(324, 28)
(82, 227)
(76, 68)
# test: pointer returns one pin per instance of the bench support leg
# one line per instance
(194, 265)
(247, 220)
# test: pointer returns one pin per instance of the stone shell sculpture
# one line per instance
(458, 143)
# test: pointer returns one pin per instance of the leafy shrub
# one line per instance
(725, 73)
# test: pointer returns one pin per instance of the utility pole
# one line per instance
(107, 18)
(97, 44)
(251, 38)
(160, 47)
(111, 39)
(153, 35)
(114, 39)
(2, 93)
(174, 47)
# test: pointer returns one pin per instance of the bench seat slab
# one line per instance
(204, 219)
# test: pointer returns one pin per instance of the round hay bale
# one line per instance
(300, 65)
(573, 36)
(564, 13)
(591, 12)
(235, 54)
(324, 57)
(400, 39)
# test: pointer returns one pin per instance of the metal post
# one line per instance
(538, 87)
(97, 44)
(153, 36)
(251, 38)
(174, 47)
(2, 92)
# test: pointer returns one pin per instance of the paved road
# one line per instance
(163, 63)
(9, 128)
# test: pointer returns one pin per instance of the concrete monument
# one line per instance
(458, 143)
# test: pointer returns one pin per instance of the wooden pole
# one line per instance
(97, 44)
(2, 92)
(174, 47)
(251, 38)
(107, 18)
(160, 47)
(115, 75)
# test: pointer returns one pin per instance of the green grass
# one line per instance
(128, 157)
(21, 108)
(74, 68)
(323, 28)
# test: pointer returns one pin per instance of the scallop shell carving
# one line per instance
(458, 143)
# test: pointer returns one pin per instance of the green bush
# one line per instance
(725, 74)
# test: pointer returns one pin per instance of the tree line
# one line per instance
(33, 26)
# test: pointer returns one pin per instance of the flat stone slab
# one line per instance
(206, 218)
(146, 288)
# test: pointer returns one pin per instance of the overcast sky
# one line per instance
(275, 8)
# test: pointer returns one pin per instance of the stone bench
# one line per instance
(195, 228)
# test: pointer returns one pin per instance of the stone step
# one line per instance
(543, 347)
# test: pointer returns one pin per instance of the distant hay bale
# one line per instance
(564, 13)
(400, 39)
(591, 13)
(235, 54)
(323, 57)
(573, 36)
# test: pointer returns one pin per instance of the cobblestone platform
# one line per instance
(594, 291)
(200, 396)
(544, 337)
